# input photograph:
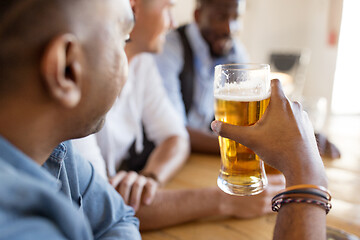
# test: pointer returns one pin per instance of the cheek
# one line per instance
(122, 74)
(161, 23)
(114, 80)
(165, 20)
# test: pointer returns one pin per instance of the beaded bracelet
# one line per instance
(300, 195)
(279, 203)
(303, 193)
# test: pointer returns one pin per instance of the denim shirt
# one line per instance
(170, 63)
(63, 199)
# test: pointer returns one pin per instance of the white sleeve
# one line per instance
(170, 63)
(89, 149)
(159, 116)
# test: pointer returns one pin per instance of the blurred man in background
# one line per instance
(187, 65)
(188, 60)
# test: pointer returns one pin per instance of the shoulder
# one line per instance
(141, 65)
(173, 44)
(142, 60)
(13, 182)
(28, 205)
(85, 144)
(145, 71)
(14, 188)
(173, 36)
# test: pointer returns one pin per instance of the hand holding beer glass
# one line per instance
(242, 94)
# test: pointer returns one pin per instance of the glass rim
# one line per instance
(253, 66)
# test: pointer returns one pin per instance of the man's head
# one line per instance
(63, 60)
(218, 21)
(153, 20)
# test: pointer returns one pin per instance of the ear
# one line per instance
(197, 13)
(61, 70)
(133, 6)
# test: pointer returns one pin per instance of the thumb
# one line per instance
(240, 134)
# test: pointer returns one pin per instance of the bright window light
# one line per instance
(346, 93)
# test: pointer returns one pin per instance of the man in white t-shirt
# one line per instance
(141, 113)
(143, 104)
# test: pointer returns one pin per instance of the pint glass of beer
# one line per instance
(242, 94)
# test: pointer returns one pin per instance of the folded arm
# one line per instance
(171, 207)
(203, 142)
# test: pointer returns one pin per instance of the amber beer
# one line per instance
(241, 168)
(242, 94)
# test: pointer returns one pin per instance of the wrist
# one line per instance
(216, 203)
(304, 166)
(151, 175)
(318, 180)
(224, 207)
(306, 173)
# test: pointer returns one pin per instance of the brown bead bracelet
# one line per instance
(304, 193)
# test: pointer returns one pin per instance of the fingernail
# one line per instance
(274, 80)
(215, 126)
(147, 201)
(134, 206)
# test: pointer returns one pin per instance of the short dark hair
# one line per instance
(26, 26)
(202, 3)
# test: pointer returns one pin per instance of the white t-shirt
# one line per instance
(143, 100)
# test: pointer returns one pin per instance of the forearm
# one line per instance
(300, 221)
(303, 220)
(203, 142)
(172, 207)
(167, 158)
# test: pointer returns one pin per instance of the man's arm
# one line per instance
(171, 207)
(284, 138)
(203, 142)
(303, 220)
(106, 211)
(164, 126)
(300, 221)
(167, 158)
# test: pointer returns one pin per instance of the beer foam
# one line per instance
(234, 92)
